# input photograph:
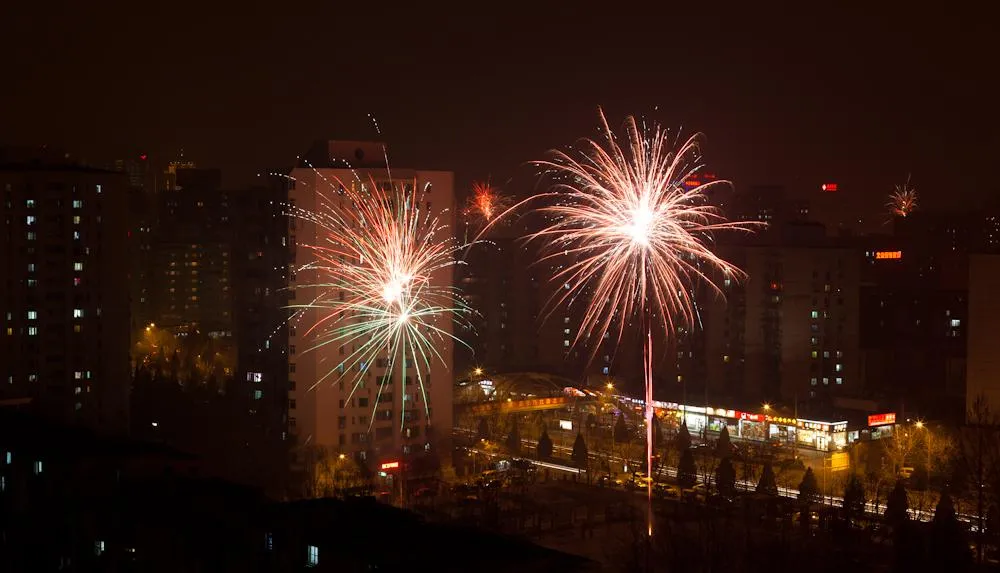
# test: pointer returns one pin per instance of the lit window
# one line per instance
(77, 266)
(565, 320)
(32, 377)
(258, 394)
(814, 354)
(30, 219)
(725, 358)
(8, 456)
(32, 331)
(840, 368)
(727, 282)
(255, 376)
(31, 267)
(98, 189)
(31, 235)
(76, 235)
(32, 315)
(77, 204)
(76, 219)
(840, 354)
(814, 314)
(312, 556)
(566, 331)
(32, 282)
(268, 541)
(605, 370)
(566, 343)
(955, 322)
(77, 328)
(814, 341)
(77, 281)
(38, 467)
(826, 381)
(826, 354)
(29, 203)
(10, 331)
(77, 313)
(78, 375)
(98, 548)
(840, 380)
(812, 381)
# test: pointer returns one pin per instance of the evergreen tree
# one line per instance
(725, 477)
(897, 506)
(687, 471)
(580, 455)
(683, 439)
(621, 430)
(767, 484)
(809, 489)
(514, 437)
(544, 446)
(947, 547)
(854, 498)
(724, 447)
(483, 432)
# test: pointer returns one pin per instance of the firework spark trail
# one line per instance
(635, 238)
(903, 201)
(486, 204)
(375, 294)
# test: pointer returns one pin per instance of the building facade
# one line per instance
(321, 407)
(64, 295)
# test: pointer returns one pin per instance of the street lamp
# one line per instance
(478, 371)
(767, 407)
(610, 386)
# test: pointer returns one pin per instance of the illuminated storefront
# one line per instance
(822, 435)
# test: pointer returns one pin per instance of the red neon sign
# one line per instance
(882, 419)
(390, 465)
(829, 187)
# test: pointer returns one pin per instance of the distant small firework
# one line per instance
(903, 201)
(486, 204)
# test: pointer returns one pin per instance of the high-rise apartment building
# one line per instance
(64, 334)
(191, 254)
(328, 414)
(983, 372)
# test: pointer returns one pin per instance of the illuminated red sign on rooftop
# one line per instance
(829, 187)
(390, 466)
(882, 419)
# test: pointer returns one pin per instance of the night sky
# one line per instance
(861, 99)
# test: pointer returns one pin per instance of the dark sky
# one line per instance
(787, 97)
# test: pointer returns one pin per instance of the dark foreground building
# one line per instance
(71, 501)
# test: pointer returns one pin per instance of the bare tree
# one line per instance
(978, 457)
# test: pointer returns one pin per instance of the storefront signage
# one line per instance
(390, 466)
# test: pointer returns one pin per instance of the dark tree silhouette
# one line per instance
(767, 484)
(897, 506)
(725, 477)
(687, 471)
(657, 434)
(621, 430)
(580, 454)
(723, 447)
(854, 498)
(514, 437)
(544, 446)
(809, 489)
(483, 433)
(683, 439)
(947, 548)
(591, 421)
